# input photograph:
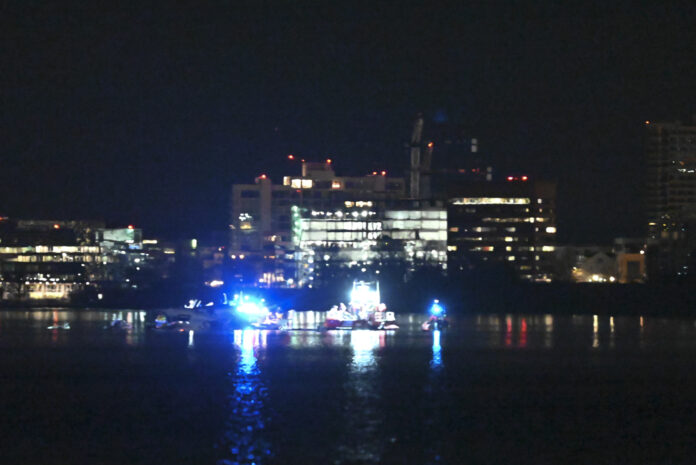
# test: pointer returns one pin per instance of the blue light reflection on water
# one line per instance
(244, 439)
(436, 362)
(436, 393)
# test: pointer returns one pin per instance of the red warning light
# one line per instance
(263, 176)
(374, 173)
(384, 173)
(510, 178)
(291, 157)
(56, 226)
(130, 226)
(430, 145)
(328, 161)
(524, 178)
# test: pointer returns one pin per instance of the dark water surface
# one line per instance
(491, 389)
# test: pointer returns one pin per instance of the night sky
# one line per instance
(146, 116)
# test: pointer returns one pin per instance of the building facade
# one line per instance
(509, 224)
(362, 240)
(262, 222)
(670, 197)
(52, 260)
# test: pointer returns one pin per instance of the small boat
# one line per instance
(437, 317)
(119, 324)
(65, 326)
(365, 310)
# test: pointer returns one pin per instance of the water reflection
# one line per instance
(548, 331)
(244, 441)
(612, 334)
(435, 427)
(363, 439)
(595, 332)
(436, 362)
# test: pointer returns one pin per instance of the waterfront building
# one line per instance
(621, 263)
(362, 240)
(52, 260)
(509, 224)
(670, 196)
(261, 225)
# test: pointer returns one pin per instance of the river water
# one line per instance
(490, 389)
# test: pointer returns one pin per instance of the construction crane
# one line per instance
(421, 160)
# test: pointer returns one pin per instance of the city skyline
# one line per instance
(152, 122)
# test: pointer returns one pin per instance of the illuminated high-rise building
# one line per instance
(509, 224)
(362, 240)
(262, 221)
(670, 196)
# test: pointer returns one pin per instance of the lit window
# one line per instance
(508, 249)
(508, 239)
(548, 248)
(451, 248)
(490, 201)
(336, 184)
(454, 229)
(551, 229)
(511, 258)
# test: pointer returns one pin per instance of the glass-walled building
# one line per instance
(670, 197)
(262, 221)
(503, 225)
(51, 260)
(360, 240)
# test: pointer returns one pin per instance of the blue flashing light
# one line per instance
(436, 308)
(250, 308)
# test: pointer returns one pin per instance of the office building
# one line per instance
(670, 197)
(52, 260)
(509, 224)
(362, 240)
(261, 227)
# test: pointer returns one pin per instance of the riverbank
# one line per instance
(530, 298)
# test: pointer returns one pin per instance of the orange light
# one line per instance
(647, 122)
(384, 173)
(328, 160)
(374, 173)
(130, 226)
(430, 145)
(56, 226)
(291, 157)
(524, 178)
